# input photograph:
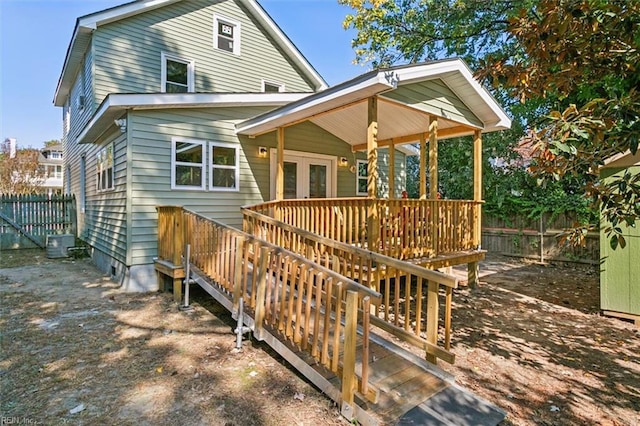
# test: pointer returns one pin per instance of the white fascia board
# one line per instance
(341, 95)
(439, 69)
(274, 30)
(94, 20)
(115, 104)
(200, 100)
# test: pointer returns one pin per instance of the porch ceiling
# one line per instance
(408, 97)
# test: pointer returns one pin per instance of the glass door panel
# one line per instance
(317, 181)
(290, 180)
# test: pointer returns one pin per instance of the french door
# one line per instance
(305, 175)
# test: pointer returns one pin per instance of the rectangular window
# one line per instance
(224, 172)
(226, 34)
(271, 87)
(55, 154)
(361, 177)
(104, 168)
(187, 164)
(177, 74)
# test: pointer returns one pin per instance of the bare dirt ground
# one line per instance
(77, 350)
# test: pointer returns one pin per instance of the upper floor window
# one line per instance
(225, 170)
(177, 74)
(362, 177)
(187, 164)
(55, 154)
(226, 34)
(271, 87)
(104, 168)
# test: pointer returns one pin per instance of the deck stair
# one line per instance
(335, 331)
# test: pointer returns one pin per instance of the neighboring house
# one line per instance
(50, 162)
(171, 102)
(620, 269)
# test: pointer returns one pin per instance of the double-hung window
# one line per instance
(187, 164)
(226, 34)
(224, 174)
(104, 169)
(362, 177)
(177, 74)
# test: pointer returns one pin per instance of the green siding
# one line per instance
(103, 223)
(435, 97)
(128, 52)
(620, 270)
(151, 132)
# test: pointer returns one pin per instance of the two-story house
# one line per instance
(50, 162)
(171, 102)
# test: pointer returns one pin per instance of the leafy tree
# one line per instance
(51, 143)
(19, 174)
(572, 65)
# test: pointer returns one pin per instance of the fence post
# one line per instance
(237, 276)
(349, 381)
(261, 292)
(432, 318)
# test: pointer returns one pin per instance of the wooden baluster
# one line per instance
(261, 293)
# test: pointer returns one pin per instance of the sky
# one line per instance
(35, 34)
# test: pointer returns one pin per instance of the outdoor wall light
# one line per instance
(262, 152)
(344, 162)
(122, 123)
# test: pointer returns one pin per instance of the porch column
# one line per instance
(433, 158)
(473, 269)
(433, 181)
(392, 170)
(280, 166)
(373, 222)
(423, 166)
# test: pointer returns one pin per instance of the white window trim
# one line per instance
(272, 83)
(191, 67)
(236, 167)
(358, 177)
(175, 163)
(113, 171)
(236, 36)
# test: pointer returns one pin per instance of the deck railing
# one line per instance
(410, 294)
(408, 229)
(312, 307)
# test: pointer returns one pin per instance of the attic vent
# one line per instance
(57, 245)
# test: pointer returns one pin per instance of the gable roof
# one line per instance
(408, 96)
(85, 25)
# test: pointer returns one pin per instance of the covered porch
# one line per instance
(412, 108)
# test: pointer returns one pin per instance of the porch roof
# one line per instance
(408, 96)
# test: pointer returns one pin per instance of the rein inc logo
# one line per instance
(16, 420)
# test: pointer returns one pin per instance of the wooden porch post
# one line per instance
(433, 158)
(423, 166)
(373, 223)
(433, 181)
(392, 170)
(280, 167)
(472, 273)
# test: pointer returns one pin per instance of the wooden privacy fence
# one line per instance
(313, 308)
(410, 304)
(26, 220)
(408, 229)
(538, 238)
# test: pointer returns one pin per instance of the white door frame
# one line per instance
(304, 159)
